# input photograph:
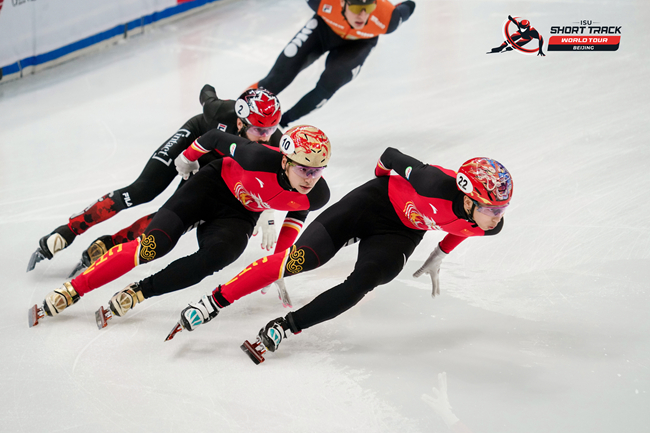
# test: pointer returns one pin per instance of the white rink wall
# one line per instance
(39, 33)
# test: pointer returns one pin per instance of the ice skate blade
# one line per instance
(36, 257)
(178, 328)
(34, 314)
(102, 316)
(252, 352)
(80, 267)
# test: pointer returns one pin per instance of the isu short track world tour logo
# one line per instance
(585, 35)
(517, 33)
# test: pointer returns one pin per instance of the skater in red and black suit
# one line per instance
(346, 29)
(228, 194)
(254, 115)
(524, 34)
(390, 215)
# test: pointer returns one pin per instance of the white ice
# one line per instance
(543, 328)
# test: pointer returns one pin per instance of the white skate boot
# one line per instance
(195, 315)
(119, 305)
(54, 303)
(60, 299)
(269, 338)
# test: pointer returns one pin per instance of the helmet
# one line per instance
(524, 23)
(258, 107)
(485, 181)
(306, 145)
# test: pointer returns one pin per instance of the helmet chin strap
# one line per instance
(470, 213)
(283, 179)
(243, 130)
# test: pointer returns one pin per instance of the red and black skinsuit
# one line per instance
(389, 214)
(329, 32)
(228, 194)
(159, 171)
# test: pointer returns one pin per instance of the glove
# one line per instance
(440, 402)
(267, 222)
(185, 167)
(282, 292)
(432, 267)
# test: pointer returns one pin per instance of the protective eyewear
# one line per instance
(491, 211)
(306, 172)
(356, 9)
(261, 131)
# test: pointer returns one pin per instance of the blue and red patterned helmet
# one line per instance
(485, 181)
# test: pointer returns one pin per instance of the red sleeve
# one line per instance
(195, 151)
(381, 170)
(288, 233)
(450, 242)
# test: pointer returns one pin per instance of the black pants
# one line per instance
(384, 248)
(222, 236)
(343, 63)
(160, 170)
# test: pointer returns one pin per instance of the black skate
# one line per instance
(41, 253)
(51, 244)
(97, 249)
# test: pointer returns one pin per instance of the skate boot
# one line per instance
(198, 313)
(119, 305)
(60, 299)
(125, 299)
(98, 248)
(269, 338)
(51, 244)
(54, 303)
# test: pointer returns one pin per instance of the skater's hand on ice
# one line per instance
(185, 167)
(440, 402)
(282, 292)
(432, 267)
(540, 53)
(267, 222)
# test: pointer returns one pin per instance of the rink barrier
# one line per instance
(38, 62)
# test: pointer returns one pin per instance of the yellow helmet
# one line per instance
(306, 145)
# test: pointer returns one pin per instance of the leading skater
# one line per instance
(390, 215)
(346, 29)
(228, 195)
(255, 115)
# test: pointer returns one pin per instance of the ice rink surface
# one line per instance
(543, 328)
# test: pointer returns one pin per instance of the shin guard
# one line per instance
(116, 262)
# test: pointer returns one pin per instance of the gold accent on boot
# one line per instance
(125, 299)
(56, 243)
(60, 299)
(96, 250)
